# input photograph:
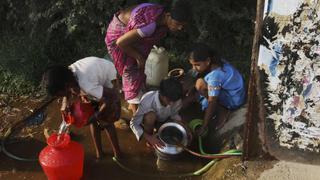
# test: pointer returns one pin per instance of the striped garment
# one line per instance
(133, 79)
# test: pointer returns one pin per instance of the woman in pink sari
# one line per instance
(130, 37)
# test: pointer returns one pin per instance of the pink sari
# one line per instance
(133, 79)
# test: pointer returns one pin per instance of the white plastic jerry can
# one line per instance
(157, 66)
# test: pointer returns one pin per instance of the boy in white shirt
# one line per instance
(91, 80)
(155, 108)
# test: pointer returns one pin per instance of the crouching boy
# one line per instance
(155, 108)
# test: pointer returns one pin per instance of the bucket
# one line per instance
(187, 79)
(177, 73)
(80, 113)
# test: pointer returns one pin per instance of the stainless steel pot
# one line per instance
(170, 133)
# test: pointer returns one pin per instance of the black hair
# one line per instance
(56, 78)
(181, 11)
(201, 52)
(171, 88)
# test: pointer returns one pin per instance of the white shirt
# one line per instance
(150, 102)
(93, 74)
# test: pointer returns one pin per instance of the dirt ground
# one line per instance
(234, 168)
(29, 142)
(137, 156)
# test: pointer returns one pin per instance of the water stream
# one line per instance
(63, 129)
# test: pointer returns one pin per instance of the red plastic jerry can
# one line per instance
(62, 159)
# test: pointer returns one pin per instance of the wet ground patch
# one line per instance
(31, 139)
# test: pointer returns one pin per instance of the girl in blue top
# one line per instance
(220, 85)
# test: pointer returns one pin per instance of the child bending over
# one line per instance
(91, 80)
(155, 108)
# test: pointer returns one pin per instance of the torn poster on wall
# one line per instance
(289, 62)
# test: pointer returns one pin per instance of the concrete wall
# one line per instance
(289, 65)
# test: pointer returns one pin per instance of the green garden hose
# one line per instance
(195, 173)
(195, 123)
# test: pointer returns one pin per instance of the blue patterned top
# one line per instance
(226, 83)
